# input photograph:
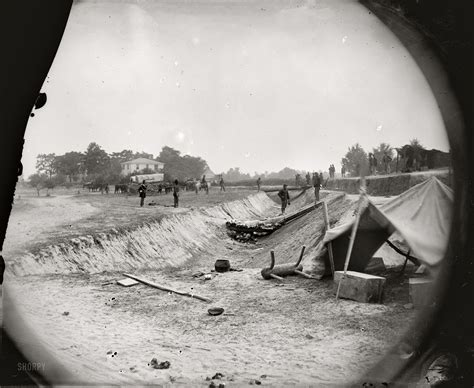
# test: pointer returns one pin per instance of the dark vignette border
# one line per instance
(31, 31)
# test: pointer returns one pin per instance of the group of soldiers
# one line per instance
(316, 180)
(198, 185)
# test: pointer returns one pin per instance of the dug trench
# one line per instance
(274, 333)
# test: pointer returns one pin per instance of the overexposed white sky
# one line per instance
(256, 84)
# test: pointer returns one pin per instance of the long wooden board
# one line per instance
(162, 288)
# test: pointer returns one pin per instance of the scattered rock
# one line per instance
(207, 277)
(66, 313)
(408, 306)
(263, 376)
(162, 365)
(214, 311)
(258, 382)
(198, 274)
(309, 336)
(208, 378)
(217, 376)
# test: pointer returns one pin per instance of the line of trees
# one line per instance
(410, 157)
(97, 166)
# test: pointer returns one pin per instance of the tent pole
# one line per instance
(353, 234)
(326, 223)
(405, 263)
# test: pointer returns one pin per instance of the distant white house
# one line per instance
(136, 165)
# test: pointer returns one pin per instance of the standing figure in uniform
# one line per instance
(284, 197)
(142, 193)
(221, 183)
(259, 182)
(317, 185)
(176, 193)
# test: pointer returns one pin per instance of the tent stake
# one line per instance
(353, 234)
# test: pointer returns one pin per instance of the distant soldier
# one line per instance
(204, 184)
(386, 159)
(221, 183)
(284, 197)
(343, 171)
(317, 185)
(176, 193)
(142, 193)
(259, 182)
(197, 185)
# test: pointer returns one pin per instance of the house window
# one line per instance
(138, 167)
(156, 167)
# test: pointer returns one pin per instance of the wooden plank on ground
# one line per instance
(127, 282)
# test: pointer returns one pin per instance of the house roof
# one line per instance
(208, 172)
(141, 161)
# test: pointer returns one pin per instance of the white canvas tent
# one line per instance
(420, 215)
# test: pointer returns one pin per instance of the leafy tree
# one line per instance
(69, 164)
(96, 160)
(235, 175)
(285, 173)
(38, 181)
(45, 164)
(180, 167)
(355, 161)
(380, 152)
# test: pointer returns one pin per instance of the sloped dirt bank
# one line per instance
(170, 241)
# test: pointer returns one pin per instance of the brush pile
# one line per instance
(249, 231)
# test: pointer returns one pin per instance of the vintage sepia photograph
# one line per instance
(218, 193)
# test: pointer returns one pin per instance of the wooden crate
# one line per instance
(359, 286)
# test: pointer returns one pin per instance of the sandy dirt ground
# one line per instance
(293, 333)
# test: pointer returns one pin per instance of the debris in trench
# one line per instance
(127, 282)
(156, 365)
(162, 288)
(214, 311)
(222, 265)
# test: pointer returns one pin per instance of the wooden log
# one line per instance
(280, 270)
(162, 288)
(275, 276)
(359, 286)
(304, 274)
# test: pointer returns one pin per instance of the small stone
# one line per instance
(263, 376)
(309, 336)
(258, 382)
(66, 313)
(408, 306)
